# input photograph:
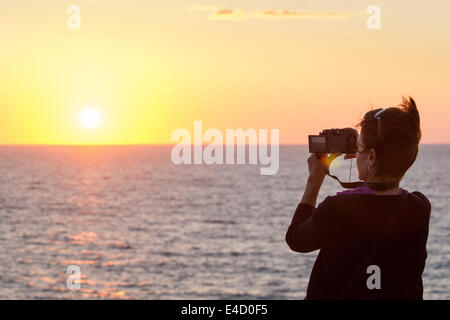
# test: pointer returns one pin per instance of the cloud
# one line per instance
(273, 14)
(238, 14)
(227, 14)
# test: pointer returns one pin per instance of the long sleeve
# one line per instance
(357, 230)
(305, 233)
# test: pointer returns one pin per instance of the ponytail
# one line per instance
(409, 106)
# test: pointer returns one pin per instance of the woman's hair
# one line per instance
(394, 136)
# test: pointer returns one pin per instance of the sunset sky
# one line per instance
(151, 67)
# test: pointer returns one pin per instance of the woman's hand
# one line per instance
(316, 168)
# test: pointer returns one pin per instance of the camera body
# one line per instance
(334, 141)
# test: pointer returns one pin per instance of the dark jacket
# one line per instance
(355, 231)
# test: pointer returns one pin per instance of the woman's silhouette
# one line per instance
(372, 243)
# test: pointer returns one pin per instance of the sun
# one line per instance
(90, 118)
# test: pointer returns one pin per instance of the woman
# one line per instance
(372, 243)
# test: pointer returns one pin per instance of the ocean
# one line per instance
(140, 227)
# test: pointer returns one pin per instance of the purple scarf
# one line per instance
(361, 190)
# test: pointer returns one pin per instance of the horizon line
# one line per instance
(156, 144)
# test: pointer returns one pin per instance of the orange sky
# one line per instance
(151, 67)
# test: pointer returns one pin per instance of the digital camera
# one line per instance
(334, 141)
